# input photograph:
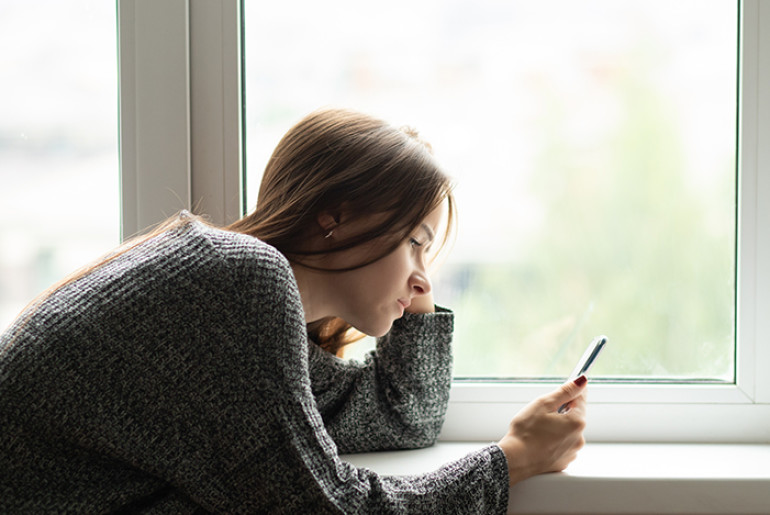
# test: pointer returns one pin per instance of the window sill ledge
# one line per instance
(620, 478)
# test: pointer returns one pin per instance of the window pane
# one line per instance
(593, 146)
(58, 143)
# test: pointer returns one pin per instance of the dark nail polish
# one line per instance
(580, 381)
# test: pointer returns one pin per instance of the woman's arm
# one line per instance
(398, 397)
(297, 465)
(174, 377)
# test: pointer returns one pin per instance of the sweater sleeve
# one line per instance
(178, 374)
(306, 472)
(398, 397)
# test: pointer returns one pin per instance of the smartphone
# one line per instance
(588, 358)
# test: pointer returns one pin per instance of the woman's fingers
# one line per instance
(562, 398)
(540, 439)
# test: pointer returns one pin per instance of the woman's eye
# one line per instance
(414, 243)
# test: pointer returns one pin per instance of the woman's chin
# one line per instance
(375, 331)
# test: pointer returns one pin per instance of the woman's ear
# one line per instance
(327, 221)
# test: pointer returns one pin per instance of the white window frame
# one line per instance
(181, 147)
(180, 110)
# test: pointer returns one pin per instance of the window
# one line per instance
(593, 145)
(58, 144)
(674, 403)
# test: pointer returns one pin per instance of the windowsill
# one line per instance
(620, 478)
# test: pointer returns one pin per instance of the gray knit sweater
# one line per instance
(178, 378)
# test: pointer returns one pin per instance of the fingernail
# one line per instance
(580, 381)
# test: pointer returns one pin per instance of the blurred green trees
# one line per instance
(630, 247)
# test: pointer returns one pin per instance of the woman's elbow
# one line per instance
(420, 435)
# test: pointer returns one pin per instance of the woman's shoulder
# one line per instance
(240, 252)
(186, 251)
(236, 245)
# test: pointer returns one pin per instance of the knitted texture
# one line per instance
(178, 378)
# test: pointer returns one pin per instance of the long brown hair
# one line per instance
(334, 158)
(329, 159)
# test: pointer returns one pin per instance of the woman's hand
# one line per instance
(422, 304)
(542, 440)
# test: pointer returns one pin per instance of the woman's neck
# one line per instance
(313, 291)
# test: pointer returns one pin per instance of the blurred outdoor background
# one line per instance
(592, 143)
(59, 196)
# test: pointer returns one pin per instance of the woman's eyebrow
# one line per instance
(428, 231)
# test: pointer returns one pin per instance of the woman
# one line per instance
(194, 369)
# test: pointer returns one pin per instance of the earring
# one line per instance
(329, 234)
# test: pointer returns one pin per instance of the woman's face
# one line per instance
(370, 298)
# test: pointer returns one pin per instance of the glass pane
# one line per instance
(59, 204)
(593, 146)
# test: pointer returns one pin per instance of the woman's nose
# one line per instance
(420, 283)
